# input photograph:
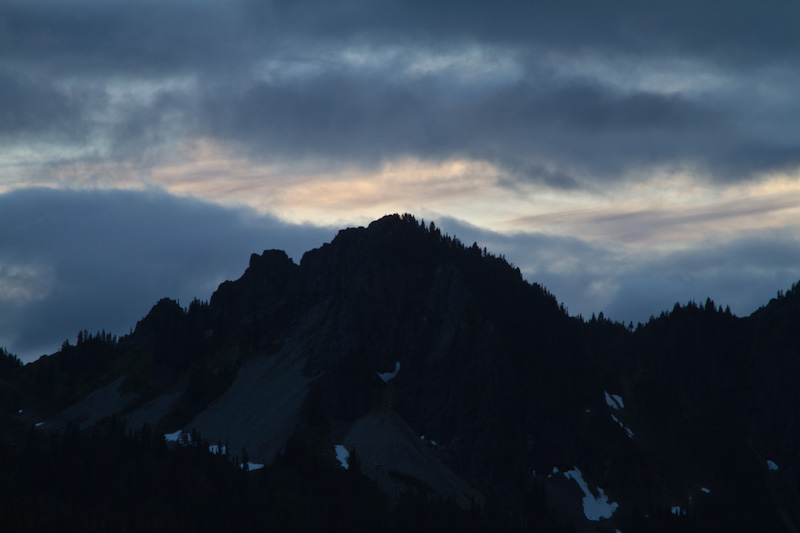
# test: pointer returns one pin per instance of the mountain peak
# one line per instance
(270, 260)
(492, 383)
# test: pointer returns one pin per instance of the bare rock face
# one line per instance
(100, 404)
(393, 455)
(261, 408)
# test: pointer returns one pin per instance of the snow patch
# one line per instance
(705, 490)
(555, 470)
(594, 507)
(433, 442)
(388, 376)
(252, 466)
(614, 401)
(20, 411)
(39, 424)
(770, 464)
(214, 448)
(342, 455)
(173, 437)
(677, 511)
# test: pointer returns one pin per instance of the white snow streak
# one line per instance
(214, 448)
(342, 454)
(703, 489)
(388, 376)
(771, 465)
(173, 437)
(594, 508)
(614, 401)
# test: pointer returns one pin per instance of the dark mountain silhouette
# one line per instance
(464, 395)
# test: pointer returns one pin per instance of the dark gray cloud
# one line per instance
(274, 79)
(71, 260)
(153, 35)
(118, 38)
(31, 108)
(575, 125)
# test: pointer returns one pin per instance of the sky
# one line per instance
(626, 155)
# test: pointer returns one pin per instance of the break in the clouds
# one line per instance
(625, 154)
(74, 260)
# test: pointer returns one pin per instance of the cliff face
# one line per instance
(396, 332)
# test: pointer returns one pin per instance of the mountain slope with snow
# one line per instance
(395, 331)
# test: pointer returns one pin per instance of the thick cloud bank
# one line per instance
(566, 94)
(99, 260)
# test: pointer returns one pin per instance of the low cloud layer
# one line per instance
(743, 272)
(99, 260)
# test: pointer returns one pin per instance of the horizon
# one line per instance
(295, 252)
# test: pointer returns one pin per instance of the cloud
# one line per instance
(670, 222)
(152, 35)
(33, 109)
(149, 39)
(558, 131)
(71, 260)
(571, 94)
(743, 271)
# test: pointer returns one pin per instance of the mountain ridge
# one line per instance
(491, 368)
